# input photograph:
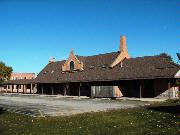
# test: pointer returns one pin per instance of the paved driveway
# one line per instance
(37, 105)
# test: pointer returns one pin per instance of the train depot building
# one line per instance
(113, 74)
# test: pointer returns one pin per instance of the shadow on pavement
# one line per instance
(167, 109)
(1, 110)
(1, 128)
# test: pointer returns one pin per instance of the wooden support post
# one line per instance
(18, 88)
(35, 87)
(140, 90)
(21, 88)
(31, 88)
(65, 88)
(25, 86)
(79, 90)
(15, 87)
(1, 87)
(52, 89)
(11, 88)
(169, 86)
(6, 88)
(42, 90)
(24, 90)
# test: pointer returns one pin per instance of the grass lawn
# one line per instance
(159, 119)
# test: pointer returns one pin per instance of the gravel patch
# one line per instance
(40, 106)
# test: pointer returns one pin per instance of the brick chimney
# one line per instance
(123, 46)
(123, 52)
(51, 59)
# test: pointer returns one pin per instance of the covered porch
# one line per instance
(141, 88)
(25, 86)
(64, 89)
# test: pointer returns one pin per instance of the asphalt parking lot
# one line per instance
(40, 106)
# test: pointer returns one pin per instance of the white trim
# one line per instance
(177, 75)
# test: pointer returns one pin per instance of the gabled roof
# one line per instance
(96, 68)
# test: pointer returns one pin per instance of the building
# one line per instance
(18, 76)
(18, 86)
(113, 74)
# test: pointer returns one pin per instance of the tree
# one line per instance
(5, 72)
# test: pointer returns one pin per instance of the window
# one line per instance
(71, 65)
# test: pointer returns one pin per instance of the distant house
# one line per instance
(113, 74)
(18, 76)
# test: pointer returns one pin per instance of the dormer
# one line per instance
(72, 64)
(123, 52)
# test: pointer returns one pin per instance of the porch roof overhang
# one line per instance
(102, 80)
(21, 81)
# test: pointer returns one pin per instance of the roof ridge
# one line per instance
(98, 54)
(157, 55)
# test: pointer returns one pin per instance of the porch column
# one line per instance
(31, 88)
(140, 90)
(79, 90)
(23, 88)
(42, 90)
(11, 88)
(169, 86)
(1, 88)
(52, 89)
(18, 88)
(15, 86)
(6, 88)
(35, 87)
(65, 88)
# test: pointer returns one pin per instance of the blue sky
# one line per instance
(31, 31)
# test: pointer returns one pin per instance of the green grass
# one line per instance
(160, 119)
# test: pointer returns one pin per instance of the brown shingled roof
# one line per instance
(21, 81)
(96, 68)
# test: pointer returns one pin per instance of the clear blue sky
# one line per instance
(31, 31)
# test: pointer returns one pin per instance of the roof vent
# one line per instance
(52, 71)
(51, 60)
(45, 72)
(92, 66)
(104, 66)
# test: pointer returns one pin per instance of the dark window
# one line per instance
(71, 65)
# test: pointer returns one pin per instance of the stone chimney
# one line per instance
(123, 52)
(51, 59)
